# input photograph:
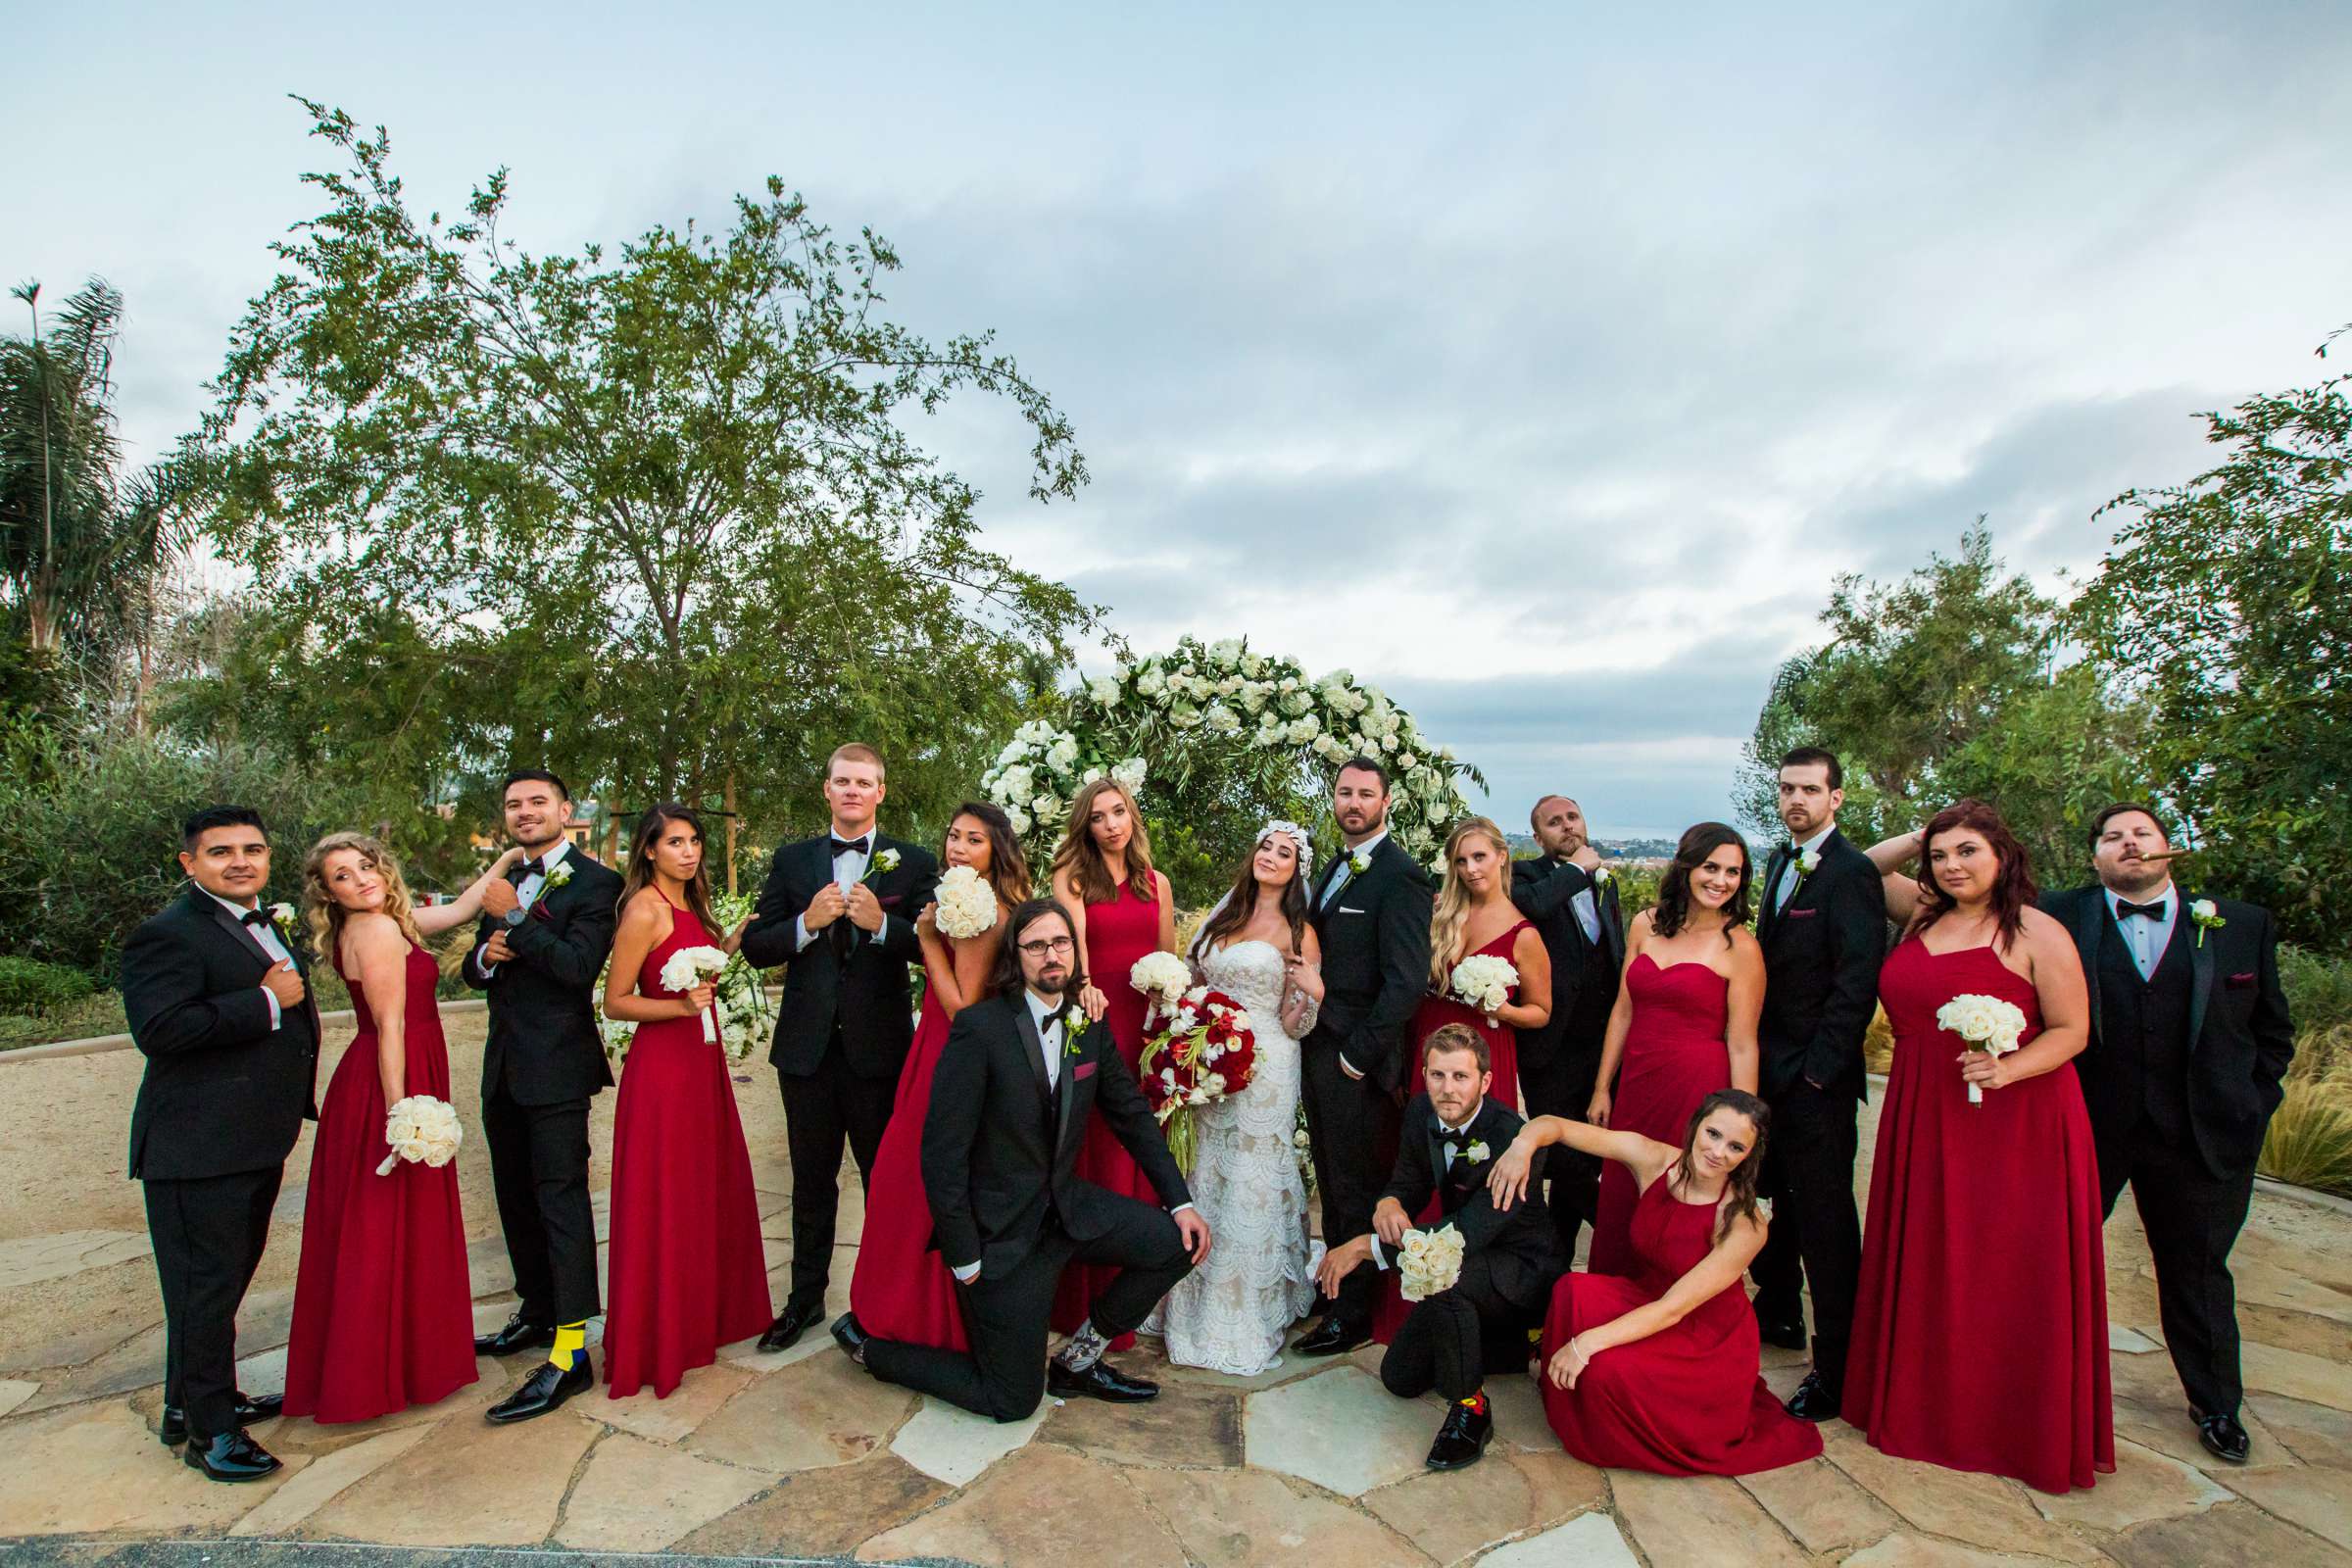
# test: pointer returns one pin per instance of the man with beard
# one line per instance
(2190, 1038)
(1018, 1077)
(1371, 914)
(1573, 903)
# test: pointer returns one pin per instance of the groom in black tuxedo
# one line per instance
(1016, 1081)
(1822, 929)
(1450, 1340)
(216, 990)
(545, 933)
(1371, 914)
(838, 912)
(2190, 1038)
(1573, 903)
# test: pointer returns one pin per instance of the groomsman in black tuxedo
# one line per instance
(1371, 914)
(1573, 902)
(216, 991)
(1822, 929)
(545, 933)
(1016, 1081)
(1450, 1341)
(2190, 1038)
(838, 912)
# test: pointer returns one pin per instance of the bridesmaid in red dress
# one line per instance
(1685, 1022)
(900, 1290)
(1659, 1370)
(1981, 1322)
(383, 1309)
(1475, 917)
(688, 1271)
(1103, 876)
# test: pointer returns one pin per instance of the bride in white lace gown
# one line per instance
(1231, 1313)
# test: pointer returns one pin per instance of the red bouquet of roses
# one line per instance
(1199, 1051)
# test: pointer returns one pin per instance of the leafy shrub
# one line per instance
(2310, 1138)
(2319, 988)
(30, 986)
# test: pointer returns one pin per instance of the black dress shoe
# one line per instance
(230, 1457)
(850, 1337)
(519, 1334)
(1813, 1400)
(547, 1388)
(1788, 1333)
(172, 1427)
(1331, 1337)
(791, 1324)
(1463, 1439)
(1101, 1381)
(2224, 1438)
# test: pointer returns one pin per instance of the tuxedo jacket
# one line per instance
(1822, 955)
(544, 1044)
(1000, 1149)
(1544, 889)
(223, 1092)
(1519, 1242)
(1375, 937)
(2238, 1030)
(868, 993)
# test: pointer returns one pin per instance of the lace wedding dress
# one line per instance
(1230, 1314)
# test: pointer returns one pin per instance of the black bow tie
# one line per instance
(255, 917)
(2125, 910)
(848, 846)
(522, 870)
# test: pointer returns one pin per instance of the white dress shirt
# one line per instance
(526, 892)
(2144, 937)
(848, 869)
(1347, 871)
(1446, 1130)
(264, 932)
(1586, 905)
(1790, 872)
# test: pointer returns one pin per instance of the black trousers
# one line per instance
(1004, 1319)
(539, 1170)
(1561, 1085)
(1809, 1175)
(1350, 1121)
(209, 1232)
(2192, 1218)
(822, 1111)
(1450, 1340)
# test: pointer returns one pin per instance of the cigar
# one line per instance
(2169, 854)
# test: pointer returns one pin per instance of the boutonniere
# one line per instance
(1076, 1024)
(2207, 917)
(1477, 1154)
(559, 876)
(1808, 862)
(883, 862)
(1601, 874)
(1358, 862)
(281, 915)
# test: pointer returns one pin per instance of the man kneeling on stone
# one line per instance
(1016, 1080)
(1452, 1339)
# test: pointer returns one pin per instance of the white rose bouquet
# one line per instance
(1988, 1023)
(686, 968)
(421, 1130)
(1428, 1262)
(1162, 976)
(1483, 981)
(968, 905)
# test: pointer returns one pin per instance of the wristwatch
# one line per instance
(515, 915)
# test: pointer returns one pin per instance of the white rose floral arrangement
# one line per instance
(968, 905)
(742, 1018)
(1989, 1024)
(421, 1130)
(1483, 981)
(1428, 1262)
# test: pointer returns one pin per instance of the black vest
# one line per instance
(2146, 1022)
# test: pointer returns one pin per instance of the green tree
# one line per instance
(652, 518)
(2225, 605)
(1953, 682)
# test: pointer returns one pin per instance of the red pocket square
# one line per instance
(2240, 982)
(1800, 914)
(1085, 1069)
(539, 912)
(890, 899)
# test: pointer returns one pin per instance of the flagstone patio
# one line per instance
(802, 1455)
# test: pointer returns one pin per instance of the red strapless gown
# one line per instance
(901, 1291)
(1981, 1318)
(688, 1271)
(1117, 934)
(1675, 1057)
(1685, 1401)
(1438, 1009)
(383, 1309)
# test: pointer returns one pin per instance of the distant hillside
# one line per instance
(1524, 843)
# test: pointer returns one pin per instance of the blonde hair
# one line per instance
(856, 752)
(1081, 856)
(325, 918)
(1453, 901)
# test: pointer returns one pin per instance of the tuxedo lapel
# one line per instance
(2201, 960)
(1033, 1047)
(2091, 919)
(1612, 923)
(237, 928)
(1768, 916)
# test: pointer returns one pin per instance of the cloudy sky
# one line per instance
(1537, 362)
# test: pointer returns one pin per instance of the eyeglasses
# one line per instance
(1048, 944)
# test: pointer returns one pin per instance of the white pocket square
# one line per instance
(1349, 908)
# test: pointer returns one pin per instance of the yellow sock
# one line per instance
(570, 1340)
